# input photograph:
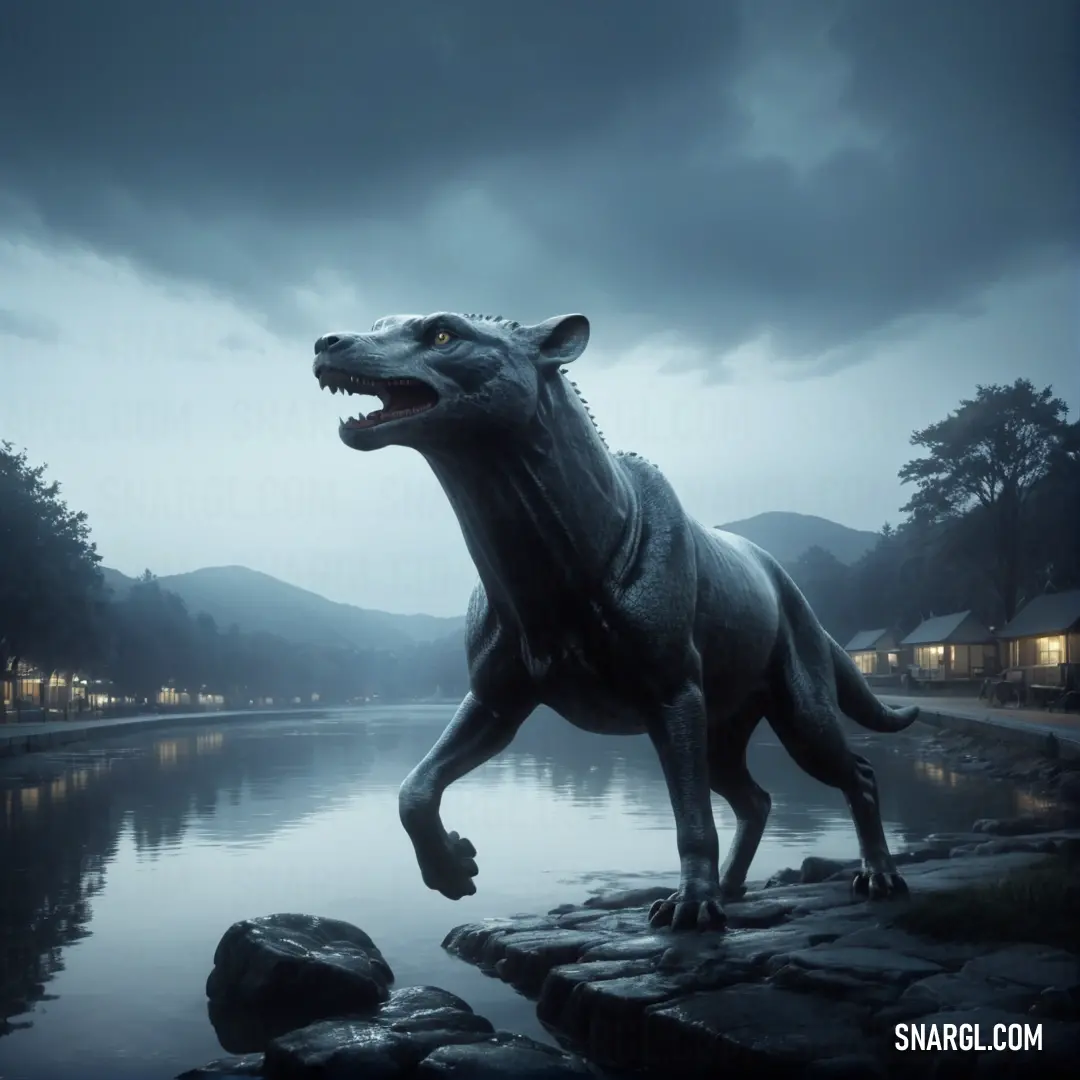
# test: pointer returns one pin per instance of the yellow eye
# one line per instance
(443, 337)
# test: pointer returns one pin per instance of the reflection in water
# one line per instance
(145, 848)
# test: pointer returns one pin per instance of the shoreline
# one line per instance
(1055, 736)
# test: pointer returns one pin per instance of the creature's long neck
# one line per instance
(546, 513)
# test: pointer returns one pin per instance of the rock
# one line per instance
(815, 868)
(411, 1000)
(300, 965)
(505, 1057)
(946, 953)
(562, 981)
(230, 1068)
(878, 965)
(1035, 966)
(1056, 1003)
(752, 1027)
(371, 1048)
(846, 1067)
(1044, 846)
(835, 984)
(788, 876)
(756, 914)
(340, 1048)
(527, 958)
(957, 991)
(1068, 789)
(607, 1015)
(806, 974)
(630, 898)
(1030, 824)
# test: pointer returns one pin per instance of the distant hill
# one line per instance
(787, 536)
(261, 603)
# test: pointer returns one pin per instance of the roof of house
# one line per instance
(1051, 613)
(864, 640)
(959, 628)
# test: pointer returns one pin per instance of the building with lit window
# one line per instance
(951, 647)
(875, 652)
(1043, 638)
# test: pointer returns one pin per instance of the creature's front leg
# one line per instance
(680, 737)
(476, 734)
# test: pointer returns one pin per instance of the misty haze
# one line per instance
(794, 280)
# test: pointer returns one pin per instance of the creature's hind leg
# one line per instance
(731, 780)
(804, 716)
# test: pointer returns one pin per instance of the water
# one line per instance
(125, 860)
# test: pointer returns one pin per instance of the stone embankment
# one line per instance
(806, 981)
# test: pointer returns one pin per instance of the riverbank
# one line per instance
(1055, 735)
(18, 739)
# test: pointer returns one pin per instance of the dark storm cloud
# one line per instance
(544, 156)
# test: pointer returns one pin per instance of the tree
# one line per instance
(983, 461)
(153, 640)
(1054, 534)
(50, 587)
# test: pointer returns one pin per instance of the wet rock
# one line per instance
(371, 1048)
(1035, 966)
(952, 955)
(412, 1000)
(751, 1027)
(1030, 824)
(1068, 789)
(879, 965)
(608, 1016)
(756, 914)
(835, 984)
(812, 976)
(340, 1048)
(504, 1057)
(562, 981)
(846, 1067)
(1057, 1003)
(788, 876)
(956, 991)
(644, 947)
(630, 898)
(527, 958)
(230, 1068)
(1044, 846)
(816, 868)
(298, 962)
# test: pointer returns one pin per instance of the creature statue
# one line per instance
(602, 599)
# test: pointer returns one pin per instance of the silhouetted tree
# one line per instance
(50, 585)
(982, 463)
(153, 640)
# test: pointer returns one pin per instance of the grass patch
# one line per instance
(1039, 904)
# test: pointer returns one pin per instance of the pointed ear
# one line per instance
(561, 340)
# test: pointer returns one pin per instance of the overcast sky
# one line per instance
(801, 229)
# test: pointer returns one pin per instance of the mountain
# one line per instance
(261, 603)
(786, 536)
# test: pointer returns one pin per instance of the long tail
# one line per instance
(857, 700)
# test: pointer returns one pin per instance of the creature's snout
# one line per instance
(333, 342)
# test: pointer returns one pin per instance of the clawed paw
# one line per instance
(682, 914)
(449, 867)
(879, 885)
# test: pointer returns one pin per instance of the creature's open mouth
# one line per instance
(400, 397)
